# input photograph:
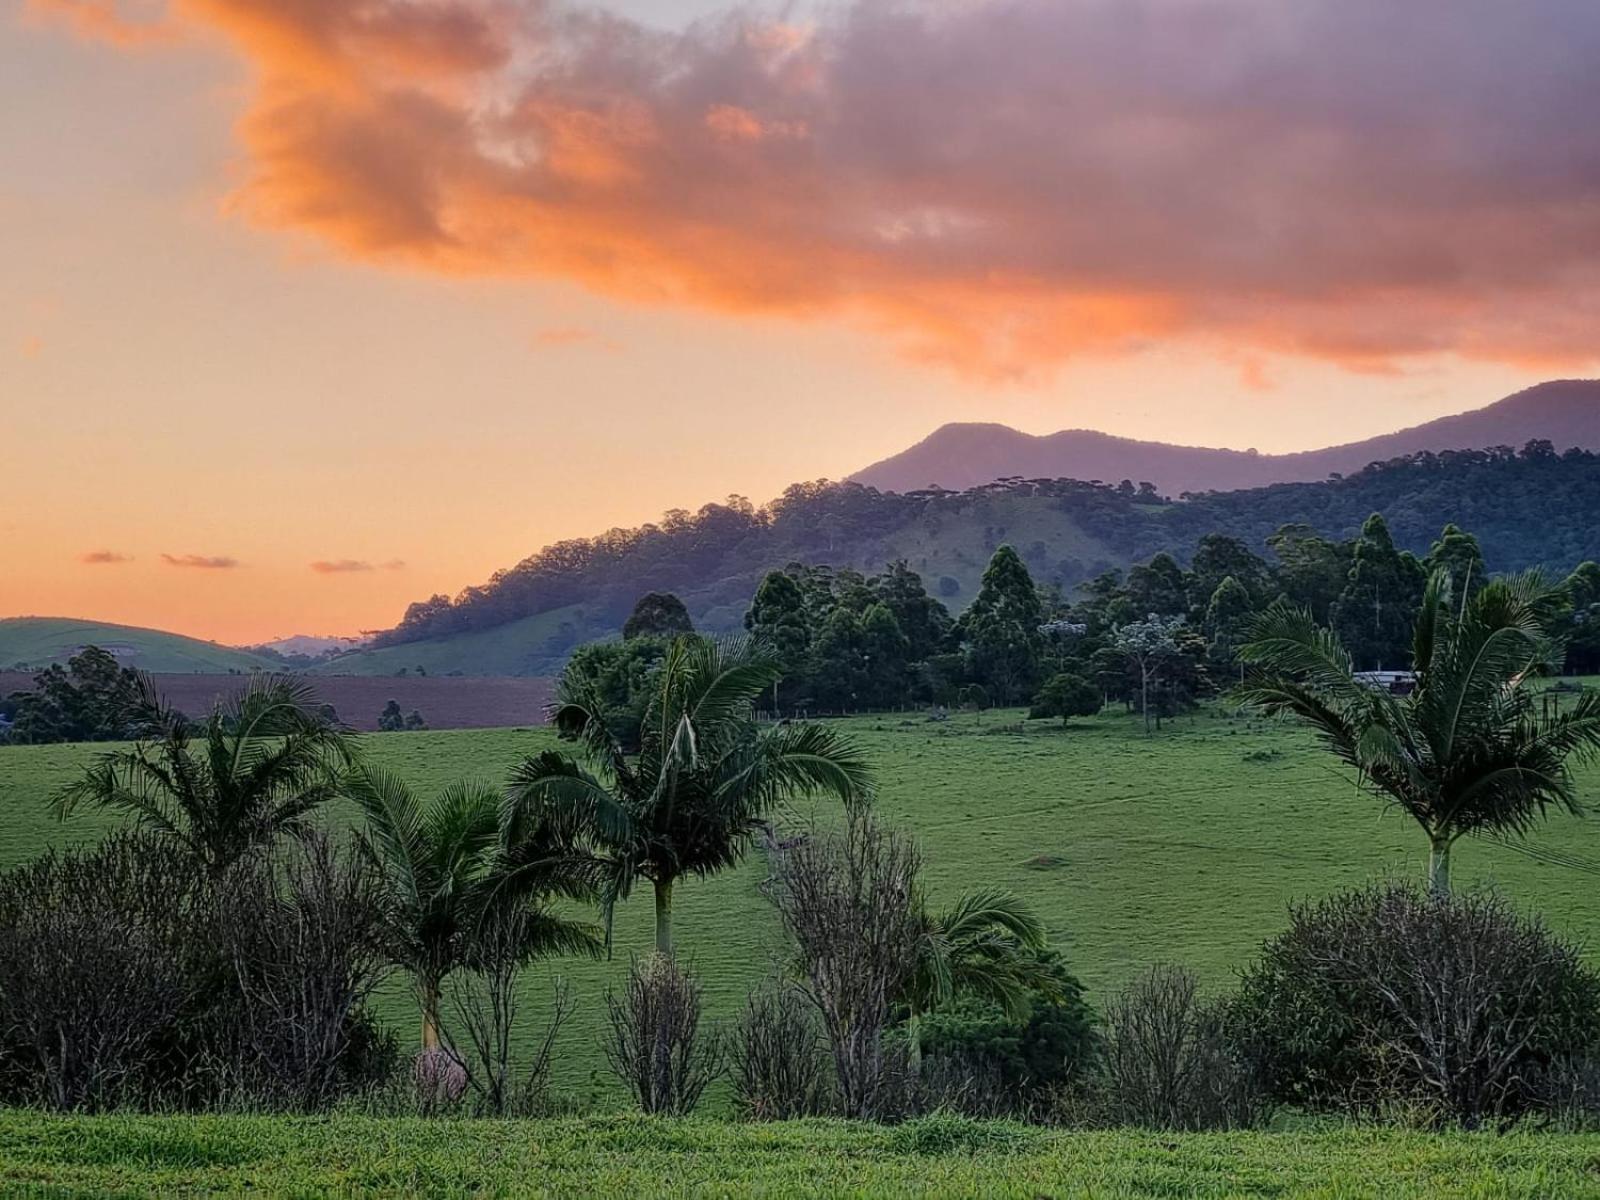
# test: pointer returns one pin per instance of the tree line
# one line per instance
(1528, 507)
(1155, 638)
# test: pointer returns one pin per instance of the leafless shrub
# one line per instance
(303, 936)
(656, 1045)
(1568, 1093)
(849, 902)
(780, 1067)
(94, 968)
(485, 1007)
(1388, 996)
(1167, 1063)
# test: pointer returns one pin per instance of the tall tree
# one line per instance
(838, 665)
(778, 618)
(1149, 646)
(613, 679)
(1375, 610)
(923, 620)
(1458, 555)
(1468, 751)
(1159, 586)
(1217, 557)
(705, 778)
(1227, 616)
(658, 615)
(1312, 571)
(449, 871)
(1001, 629)
(887, 653)
(253, 771)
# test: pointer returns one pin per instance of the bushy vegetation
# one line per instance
(92, 699)
(1453, 1010)
(885, 1007)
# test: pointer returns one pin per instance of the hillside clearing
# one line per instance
(33, 642)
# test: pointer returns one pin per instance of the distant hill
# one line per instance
(34, 642)
(309, 645)
(959, 456)
(1528, 508)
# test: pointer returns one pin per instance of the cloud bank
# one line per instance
(996, 185)
(101, 558)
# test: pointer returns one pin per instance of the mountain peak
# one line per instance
(964, 454)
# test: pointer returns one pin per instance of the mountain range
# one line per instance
(957, 456)
(1536, 507)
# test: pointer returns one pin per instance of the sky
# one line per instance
(312, 308)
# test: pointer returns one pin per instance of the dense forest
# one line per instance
(1529, 507)
(1156, 638)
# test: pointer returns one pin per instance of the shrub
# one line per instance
(849, 902)
(1168, 1062)
(980, 1061)
(1066, 696)
(484, 1003)
(96, 969)
(780, 1066)
(1388, 996)
(303, 939)
(656, 1045)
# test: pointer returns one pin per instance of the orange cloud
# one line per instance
(348, 566)
(110, 21)
(997, 185)
(205, 562)
(103, 558)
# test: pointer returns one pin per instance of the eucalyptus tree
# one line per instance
(1468, 751)
(1148, 645)
(254, 770)
(704, 779)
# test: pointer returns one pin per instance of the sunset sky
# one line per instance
(311, 308)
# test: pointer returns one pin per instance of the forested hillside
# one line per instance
(1527, 507)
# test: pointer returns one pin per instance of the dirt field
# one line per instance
(445, 703)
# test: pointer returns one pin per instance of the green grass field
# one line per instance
(39, 641)
(1184, 847)
(633, 1156)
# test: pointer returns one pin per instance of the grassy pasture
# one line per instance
(1183, 847)
(632, 1156)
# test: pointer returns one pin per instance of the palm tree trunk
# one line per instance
(430, 1014)
(1439, 866)
(914, 1043)
(664, 917)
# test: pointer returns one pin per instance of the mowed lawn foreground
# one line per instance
(1183, 847)
(636, 1156)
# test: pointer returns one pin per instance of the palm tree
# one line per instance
(450, 871)
(987, 944)
(253, 771)
(1467, 751)
(705, 776)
